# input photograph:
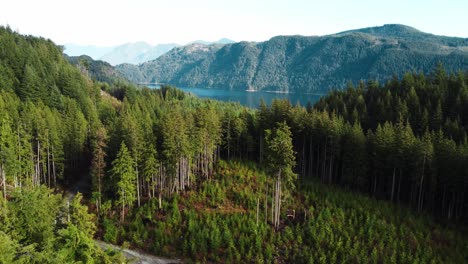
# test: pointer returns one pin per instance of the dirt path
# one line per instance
(135, 257)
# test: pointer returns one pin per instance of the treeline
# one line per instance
(409, 136)
(382, 140)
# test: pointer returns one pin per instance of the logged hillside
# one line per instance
(228, 221)
(305, 64)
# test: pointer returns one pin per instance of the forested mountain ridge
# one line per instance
(213, 181)
(96, 69)
(306, 64)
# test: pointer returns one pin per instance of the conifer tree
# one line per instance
(281, 160)
(124, 176)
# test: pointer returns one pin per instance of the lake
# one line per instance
(251, 99)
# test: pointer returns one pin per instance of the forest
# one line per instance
(372, 173)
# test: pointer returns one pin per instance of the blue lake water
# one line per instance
(252, 99)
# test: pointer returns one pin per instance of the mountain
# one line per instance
(96, 69)
(220, 41)
(136, 53)
(93, 51)
(305, 64)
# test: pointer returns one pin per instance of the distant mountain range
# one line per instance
(304, 64)
(94, 52)
(133, 53)
(136, 53)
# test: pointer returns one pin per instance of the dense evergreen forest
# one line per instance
(375, 173)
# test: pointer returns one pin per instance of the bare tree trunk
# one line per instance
(273, 201)
(261, 147)
(53, 168)
(375, 184)
(324, 164)
(399, 187)
(311, 158)
(258, 209)
(393, 184)
(68, 210)
(266, 205)
(122, 217)
(318, 162)
(19, 157)
(421, 186)
(48, 161)
(304, 162)
(38, 172)
(279, 200)
(3, 181)
(137, 180)
(99, 186)
(160, 200)
(229, 143)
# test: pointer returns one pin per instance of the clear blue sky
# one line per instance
(113, 22)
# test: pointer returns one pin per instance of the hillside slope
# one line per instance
(96, 69)
(305, 64)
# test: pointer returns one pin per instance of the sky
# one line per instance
(115, 22)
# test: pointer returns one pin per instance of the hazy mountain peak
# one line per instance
(136, 53)
(225, 41)
(93, 51)
(220, 41)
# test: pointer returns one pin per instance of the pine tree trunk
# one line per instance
(48, 162)
(375, 184)
(266, 205)
(38, 172)
(273, 203)
(311, 158)
(324, 164)
(160, 200)
(399, 187)
(304, 162)
(261, 147)
(318, 162)
(279, 200)
(137, 181)
(2, 171)
(258, 209)
(122, 217)
(421, 186)
(53, 169)
(99, 186)
(393, 184)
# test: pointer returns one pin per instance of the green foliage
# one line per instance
(332, 225)
(281, 155)
(34, 214)
(111, 231)
(123, 172)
